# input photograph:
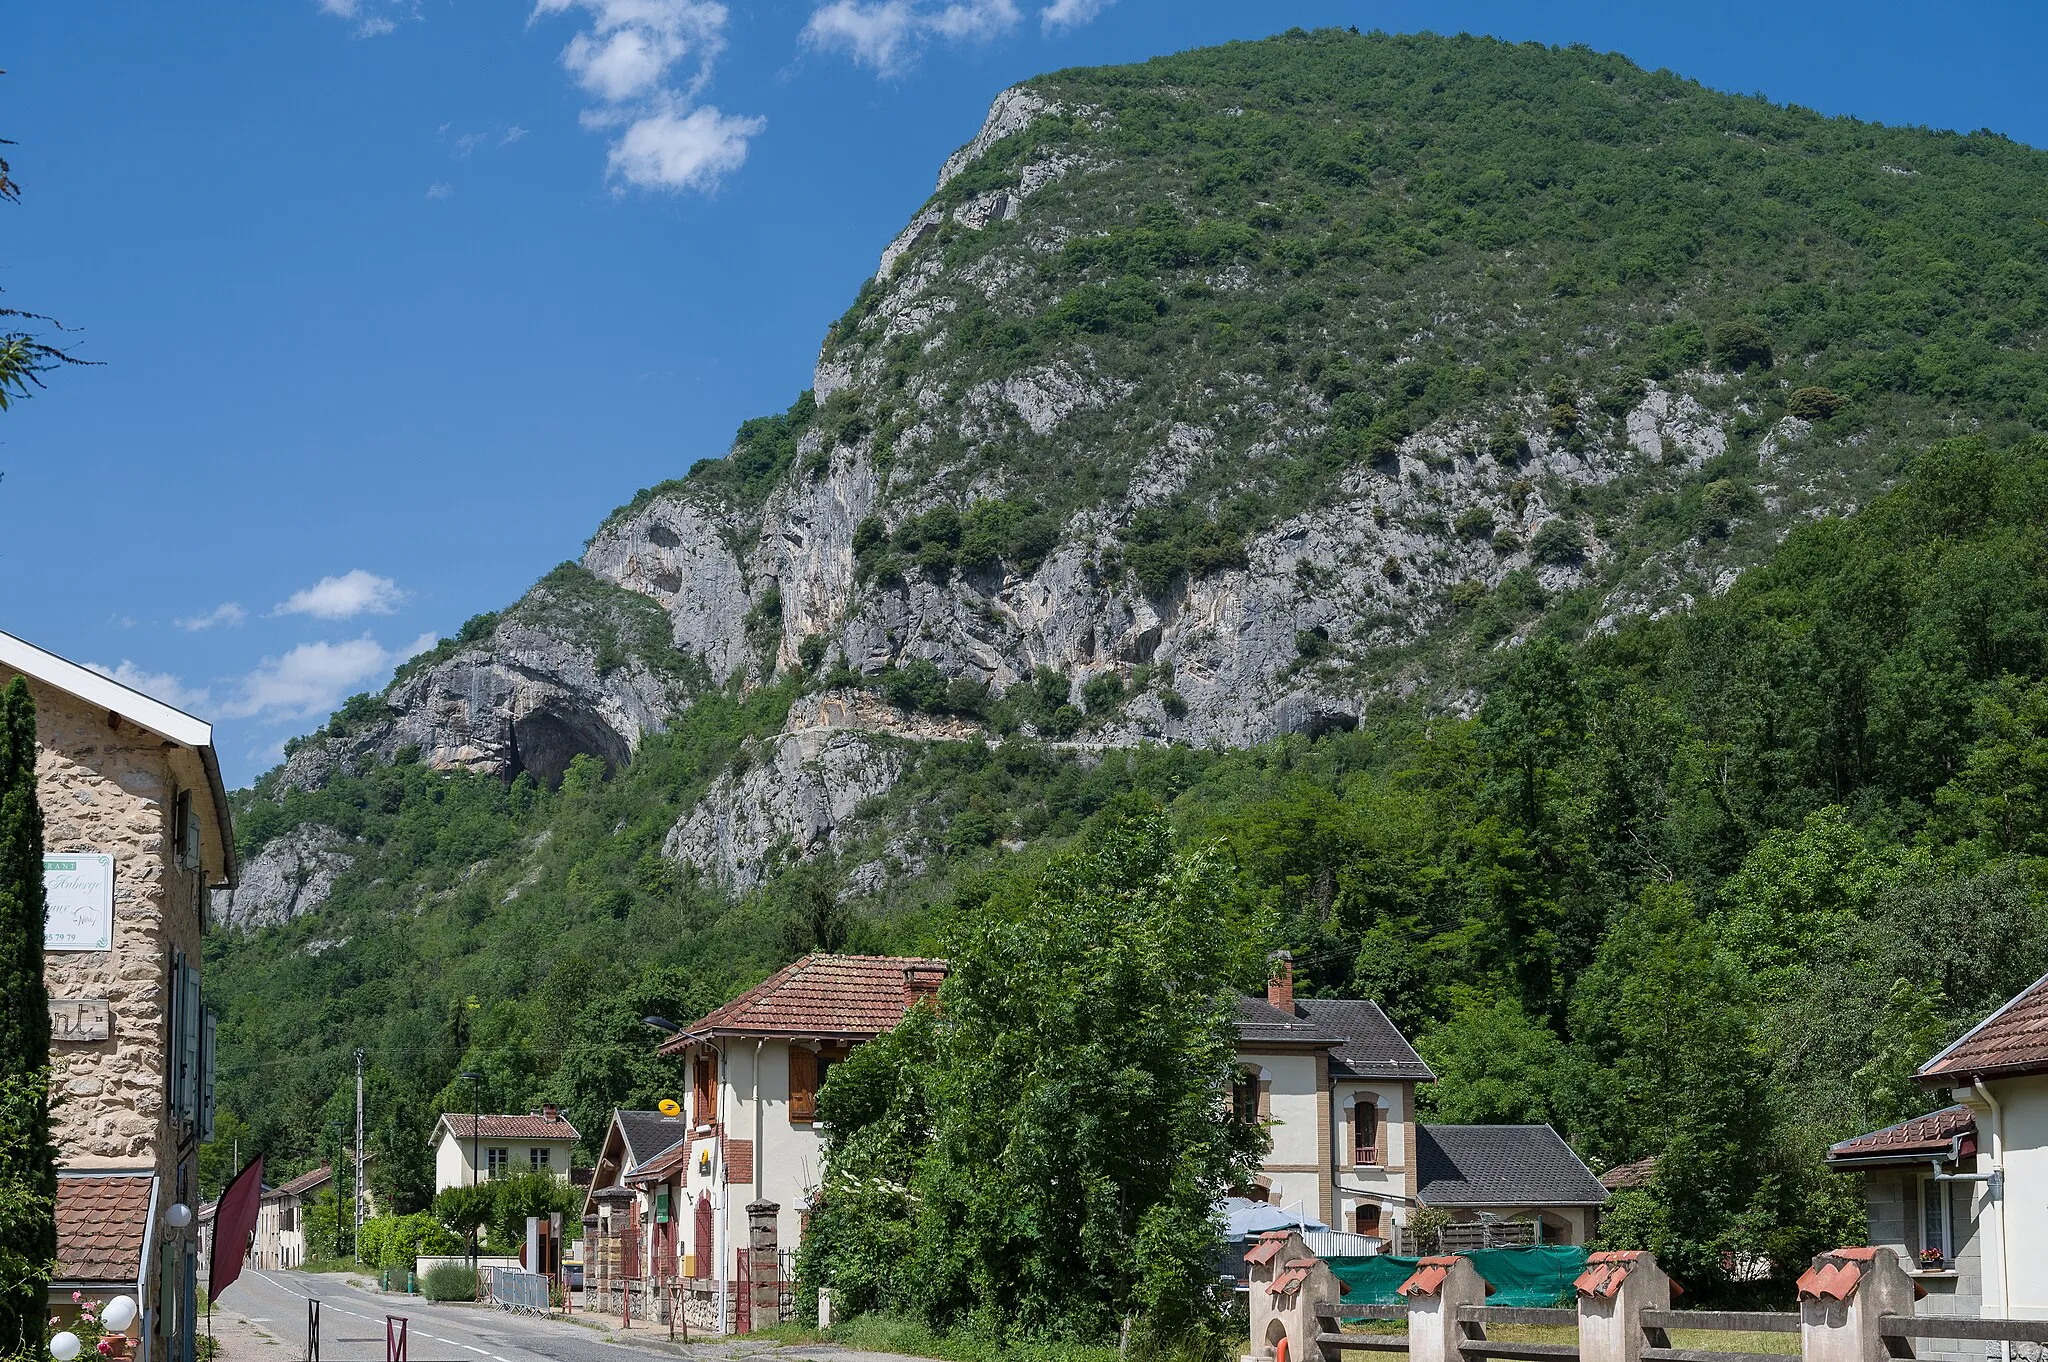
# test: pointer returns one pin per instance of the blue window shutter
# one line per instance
(189, 1028)
(206, 1052)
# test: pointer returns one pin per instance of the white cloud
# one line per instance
(227, 612)
(1062, 14)
(691, 151)
(628, 60)
(889, 35)
(440, 191)
(512, 134)
(312, 678)
(344, 597)
(359, 12)
(157, 685)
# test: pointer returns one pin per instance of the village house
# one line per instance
(754, 1067)
(1335, 1080)
(1961, 1194)
(471, 1149)
(615, 1222)
(136, 831)
(281, 1219)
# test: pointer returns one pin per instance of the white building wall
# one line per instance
(2024, 1205)
(452, 1163)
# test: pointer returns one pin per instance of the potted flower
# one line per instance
(1931, 1260)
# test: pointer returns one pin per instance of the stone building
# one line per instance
(136, 831)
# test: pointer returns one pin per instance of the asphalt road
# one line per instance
(352, 1323)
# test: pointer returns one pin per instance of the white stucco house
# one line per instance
(678, 1191)
(470, 1149)
(1335, 1080)
(1961, 1193)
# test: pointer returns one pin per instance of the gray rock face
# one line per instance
(791, 804)
(675, 552)
(290, 877)
(549, 683)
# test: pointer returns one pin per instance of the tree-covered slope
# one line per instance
(1449, 474)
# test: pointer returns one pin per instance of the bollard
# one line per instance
(394, 1338)
(1613, 1292)
(1843, 1295)
(1438, 1287)
(313, 1329)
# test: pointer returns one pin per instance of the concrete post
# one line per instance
(1841, 1298)
(1613, 1292)
(824, 1307)
(764, 1283)
(1439, 1286)
(1288, 1286)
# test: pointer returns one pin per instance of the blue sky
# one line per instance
(395, 299)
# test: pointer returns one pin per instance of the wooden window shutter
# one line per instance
(705, 1095)
(803, 1084)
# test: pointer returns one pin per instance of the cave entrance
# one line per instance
(547, 740)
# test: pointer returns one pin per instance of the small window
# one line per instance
(495, 1162)
(542, 1159)
(1365, 1134)
(704, 1095)
(1366, 1219)
(1936, 1219)
(803, 1085)
(1244, 1096)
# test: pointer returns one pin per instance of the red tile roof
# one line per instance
(2012, 1040)
(1641, 1173)
(1835, 1275)
(1429, 1276)
(1913, 1141)
(1290, 1277)
(1605, 1272)
(822, 995)
(100, 1220)
(510, 1127)
(303, 1183)
(1269, 1246)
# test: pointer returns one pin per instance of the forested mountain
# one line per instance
(1450, 474)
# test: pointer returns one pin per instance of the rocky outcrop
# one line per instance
(676, 553)
(561, 675)
(291, 876)
(792, 802)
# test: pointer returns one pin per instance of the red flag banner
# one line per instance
(233, 1222)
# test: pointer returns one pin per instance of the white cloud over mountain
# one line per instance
(313, 678)
(645, 62)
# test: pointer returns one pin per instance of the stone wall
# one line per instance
(108, 786)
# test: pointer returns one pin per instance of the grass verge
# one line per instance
(890, 1334)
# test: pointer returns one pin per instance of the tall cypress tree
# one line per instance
(28, 1159)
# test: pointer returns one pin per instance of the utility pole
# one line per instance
(359, 1156)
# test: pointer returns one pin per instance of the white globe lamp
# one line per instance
(64, 1346)
(119, 1314)
(179, 1216)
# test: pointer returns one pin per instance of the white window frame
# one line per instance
(1937, 1198)
(497, 1158)
(540, 1158)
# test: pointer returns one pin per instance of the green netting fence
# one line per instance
(1531, 1275)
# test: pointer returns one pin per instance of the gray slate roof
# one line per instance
(1501, 1166)
(648, 1133)
(1362, 1042)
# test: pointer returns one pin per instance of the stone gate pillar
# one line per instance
(763, 1275)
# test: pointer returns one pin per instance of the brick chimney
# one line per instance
(551, 1111)
(921, 981)
(1280, 982)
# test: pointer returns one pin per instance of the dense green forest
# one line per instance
(1704, 882)
(1708, 887)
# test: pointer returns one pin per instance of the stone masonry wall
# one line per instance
(107, 786)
